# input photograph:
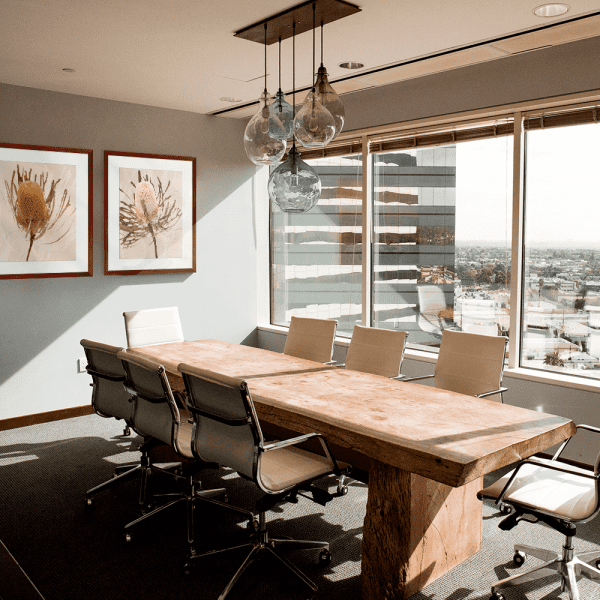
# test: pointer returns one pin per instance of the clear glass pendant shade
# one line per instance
(284, 111)
(330, 100)
(314, 125)
(261, 147)
(294, 186)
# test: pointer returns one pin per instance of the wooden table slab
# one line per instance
(428, 450)
(229, 359)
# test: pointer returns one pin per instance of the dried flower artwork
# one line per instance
(36, 217)
(150, 214)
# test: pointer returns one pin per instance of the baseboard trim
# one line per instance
(45, 417)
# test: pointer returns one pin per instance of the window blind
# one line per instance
(345, 148)
(562, 117)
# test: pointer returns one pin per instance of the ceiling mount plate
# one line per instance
(279, 26)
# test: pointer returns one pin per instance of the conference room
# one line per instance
(440, 219)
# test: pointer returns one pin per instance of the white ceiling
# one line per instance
(182, 54)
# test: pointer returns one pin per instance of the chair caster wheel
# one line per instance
(127, 431)
(226, 499)
(506, 509)
(128, 537)
(89, 502)
(253, 526)
(324, 558)
(496, 596)
(519, 559)
(187, 570)
(343, 490)
(598, 564)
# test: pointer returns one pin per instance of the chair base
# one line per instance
(260, 544)
(569, 567)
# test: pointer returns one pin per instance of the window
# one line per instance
(561, 286)
(316, 257)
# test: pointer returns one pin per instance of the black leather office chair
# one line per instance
(157, 416)
(227, 431)
(557, 494)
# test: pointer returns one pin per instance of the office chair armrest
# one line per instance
(417, 378)
(564, 444)
(552, 465)
(331, 362)
(486, 394)
(339, 366)
(399, 377)
(303, 438)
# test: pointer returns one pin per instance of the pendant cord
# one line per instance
(265, 57)
(321, 43)
(279, 64)
(293, 80)
(313, 71)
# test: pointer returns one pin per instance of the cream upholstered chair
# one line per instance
(557, 494)
(311, 339)
(153, 326)
(227, 431)
(470, 363)
(157, 417)
(109, 398)
(377, 351)
(432, 302)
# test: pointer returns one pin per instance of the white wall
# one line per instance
(42, 320)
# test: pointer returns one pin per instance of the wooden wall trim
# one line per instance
(45, 417)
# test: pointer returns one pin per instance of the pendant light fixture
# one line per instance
(264, 139)
(294, 186)
(314, 125)
(282, 109)
(328, 96)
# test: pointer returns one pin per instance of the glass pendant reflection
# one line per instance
(284, 111)
(261, 147)
(330, 100)
(294, 186)
(314, 125)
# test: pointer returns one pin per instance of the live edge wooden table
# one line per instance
(428, 451)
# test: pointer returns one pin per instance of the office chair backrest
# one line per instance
(153, 326)
(470, 363)
(226, 428)
(311, 339)
(109, 397)
(377, 351)
(431, 299)
(156, 413)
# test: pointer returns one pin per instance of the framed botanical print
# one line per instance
(45, 212)
(149, 214)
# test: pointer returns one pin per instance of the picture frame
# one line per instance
(149, 213)
(46, 212)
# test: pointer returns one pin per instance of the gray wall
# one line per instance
(565, 69)
(42, 320)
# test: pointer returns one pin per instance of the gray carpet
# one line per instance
(70, 552)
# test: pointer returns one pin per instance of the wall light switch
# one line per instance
(81, 365)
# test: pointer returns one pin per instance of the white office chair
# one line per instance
(311, 339)
(153, 326)
(557, 494)
(227, 432)
(470, 363)
(432, 302)
(377, 351)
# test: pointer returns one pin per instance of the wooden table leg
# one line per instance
(415, 530)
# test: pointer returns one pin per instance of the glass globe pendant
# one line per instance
(328, 96)
(294, 186)
(314, 125)
(261, 146)
(264, 139)
(281, 109)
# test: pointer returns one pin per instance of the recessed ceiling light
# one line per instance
(68, 70)
(351, 65)
(229, 99)
(551, 10)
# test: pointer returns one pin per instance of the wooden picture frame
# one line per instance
(149, 213)
(46, 212)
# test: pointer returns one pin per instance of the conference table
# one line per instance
(427, 450)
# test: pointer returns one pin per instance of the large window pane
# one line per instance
(441, 247)
(561, 313)
(316, 257)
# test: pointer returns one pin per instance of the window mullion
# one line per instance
(367, 229)
(516, 275)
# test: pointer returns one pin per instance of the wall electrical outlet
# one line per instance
(81, 365)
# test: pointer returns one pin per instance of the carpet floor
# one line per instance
(73, 552)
